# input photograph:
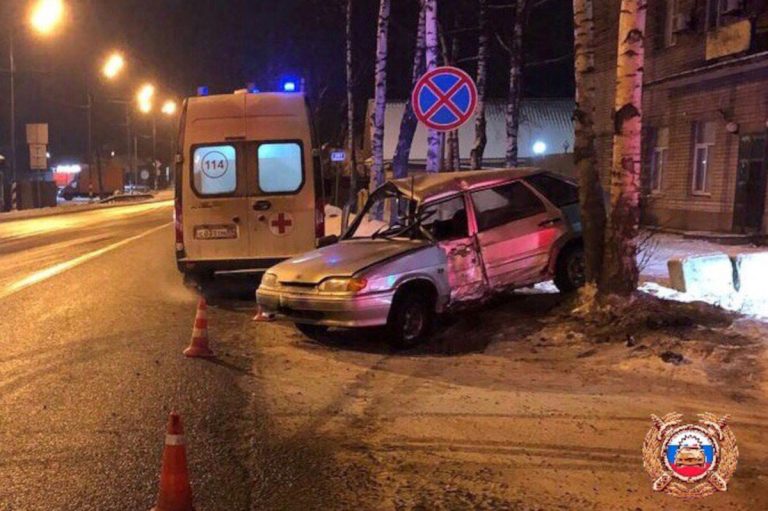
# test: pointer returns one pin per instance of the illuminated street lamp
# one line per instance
(169, 107)
(144, 98)
(45, 15)
(113, 65)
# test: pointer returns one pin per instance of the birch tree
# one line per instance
(584, 155)
(434, 139)
(512, 116)
(380, 103)
(481, 139)
(351, 113)
(454, 152)
(409, 121)
(620, 271)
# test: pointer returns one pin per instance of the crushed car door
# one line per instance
(515, 233)
(447, 222)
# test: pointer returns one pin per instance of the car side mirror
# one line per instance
(327, 240)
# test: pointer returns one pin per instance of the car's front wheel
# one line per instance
(570, 271)
(410, 319)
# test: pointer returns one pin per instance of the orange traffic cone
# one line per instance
(198, 347)
(175, 493)
(263, 316)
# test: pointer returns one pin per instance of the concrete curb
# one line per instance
(29, 214)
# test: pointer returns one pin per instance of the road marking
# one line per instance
(56, 269)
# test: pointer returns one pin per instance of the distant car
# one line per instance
(455, 238)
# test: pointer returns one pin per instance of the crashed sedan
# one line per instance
(448, 240)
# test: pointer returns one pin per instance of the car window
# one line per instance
(446, 220)
(280, 167)
(214, 169)
(503, 204)
(558, 191)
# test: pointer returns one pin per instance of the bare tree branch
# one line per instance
(546, 62)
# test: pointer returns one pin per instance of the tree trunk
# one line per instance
(620, 272)
(455, 161)
(380, 103)
(434, 146)
(515, 68)
(481, 139)
(584, 155)
(409, 122)
(451, 138)
(351, 114)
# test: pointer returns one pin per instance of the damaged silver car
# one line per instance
(448, 240)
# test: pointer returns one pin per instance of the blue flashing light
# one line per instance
(202, 90)
(289, 86)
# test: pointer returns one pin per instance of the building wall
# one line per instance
(738, 94)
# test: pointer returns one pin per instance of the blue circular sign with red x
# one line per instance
(444, 98)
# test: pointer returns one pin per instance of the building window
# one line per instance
(704, 137)
(659, 159)
(670, 37)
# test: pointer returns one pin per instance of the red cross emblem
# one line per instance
(281, 224)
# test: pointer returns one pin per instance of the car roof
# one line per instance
(427, 185)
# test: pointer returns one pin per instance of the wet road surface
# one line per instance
(93, 319)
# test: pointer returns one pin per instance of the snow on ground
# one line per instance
(333, 223)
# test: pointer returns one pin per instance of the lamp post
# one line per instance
(44, 17)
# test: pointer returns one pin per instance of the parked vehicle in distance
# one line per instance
(248, 183)
(456, 238)
(102, 184)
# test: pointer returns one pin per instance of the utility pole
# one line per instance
(12, 72)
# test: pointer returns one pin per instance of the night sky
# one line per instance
(224, 44)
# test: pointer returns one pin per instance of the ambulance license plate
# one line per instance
(216, 232)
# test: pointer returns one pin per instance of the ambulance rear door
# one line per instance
(216, 206)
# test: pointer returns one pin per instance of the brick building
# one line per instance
(705, 109)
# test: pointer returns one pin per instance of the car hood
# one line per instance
(342, 259)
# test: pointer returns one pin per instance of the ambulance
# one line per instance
(248, 183)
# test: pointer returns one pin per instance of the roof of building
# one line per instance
(424, 185)
(542, 120)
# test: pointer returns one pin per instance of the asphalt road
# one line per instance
(93, 319)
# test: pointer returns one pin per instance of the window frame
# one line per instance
(471, 227)
(670, 37)
(660, 152)
(519, 181)
(237, 192)
(698, 127)
(258, 143)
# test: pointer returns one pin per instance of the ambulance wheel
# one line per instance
(314, 332)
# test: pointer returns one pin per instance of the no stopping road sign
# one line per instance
(444, 98)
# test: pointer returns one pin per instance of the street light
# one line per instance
(45, 15)
(169, 107)
(113, 65)
(144, 98)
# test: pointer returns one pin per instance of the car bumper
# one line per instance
(333, 311)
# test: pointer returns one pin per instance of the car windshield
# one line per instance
(397, 211)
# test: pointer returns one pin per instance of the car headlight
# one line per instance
(269, 280)
(342, 285)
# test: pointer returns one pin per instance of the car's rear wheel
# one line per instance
(410, 319)
(314, 332)
(570, 271)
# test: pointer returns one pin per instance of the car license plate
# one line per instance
(215, 232)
